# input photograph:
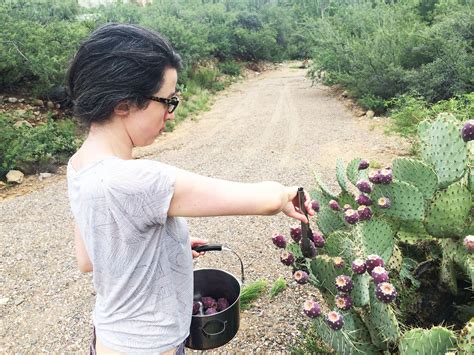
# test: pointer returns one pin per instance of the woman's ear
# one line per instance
(122, 109)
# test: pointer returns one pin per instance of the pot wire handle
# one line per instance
(219, 247)
(223, 322)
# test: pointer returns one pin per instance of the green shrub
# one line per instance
(230, 67)
(32, 149)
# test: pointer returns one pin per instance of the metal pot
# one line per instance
(212, 331)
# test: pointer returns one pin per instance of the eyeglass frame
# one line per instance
(172, 101)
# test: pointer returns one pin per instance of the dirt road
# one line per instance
(275, 126)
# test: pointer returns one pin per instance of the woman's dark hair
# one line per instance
(117, 63)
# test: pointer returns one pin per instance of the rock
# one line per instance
(38, 102)
(370, 114)
(2, 185)
(43, 176)
(359, 112)
(21, 100)
(12, 100)
(4, 301)
(21, 123)
(15, 176)
(345, 94)
(50, 105)
(36, 113)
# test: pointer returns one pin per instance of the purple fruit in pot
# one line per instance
(364, 200)
(351, 216)
(344, 283)
(334, 205)
(210, 311)
(222, 304)
(363, 164)
(301, 277)
(295, 233)
(318, 240)
(374, 176)
(379, 274)
(334, 320)
(386, 176)
(279, 240)
(468, 243)
(309, 250)
(365, 213)
(467, 131)
(384, 202)
(385, 292)
(364, 186)
(196, 307)
(315, 205)
(343, 302)
(358, 266)
(312, 308)
(372, 262)
(208, 302)
(287, 258)
(338, 262)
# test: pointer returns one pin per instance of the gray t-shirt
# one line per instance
(141, 258)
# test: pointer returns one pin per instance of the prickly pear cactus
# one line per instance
(416, 173)
(466, 338)
(437, 340)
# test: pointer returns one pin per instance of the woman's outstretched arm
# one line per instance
(200, 196)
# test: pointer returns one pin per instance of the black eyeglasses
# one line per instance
(172, 102)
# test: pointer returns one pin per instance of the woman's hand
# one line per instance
(195, 242)
(291, 207)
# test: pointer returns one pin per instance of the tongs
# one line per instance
(307, 246)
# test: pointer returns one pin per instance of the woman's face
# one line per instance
(145, 125)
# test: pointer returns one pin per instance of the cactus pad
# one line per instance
(448, 213)
(466, 338)
(341, 174)
(323, 187)
(437, 340)
(417, 174)
(376, 237)
(329, 221)
(354, 174)
(360, 293)
(322, 267)
(407, 201)
(443, 148)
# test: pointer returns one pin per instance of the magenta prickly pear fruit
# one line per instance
(346, 207)
(384, 202)
(334, 320)
(468, 242)
(287, 258)
(295, 233)
(379, 274)
(358, 266)
(310, 251)
(363, 164)
(210, 311)
(364, 200)
(365, 213)
(364, 186)
(467, 131)
(196, 306)
(334, 205)
(338, 262)
(315, 205)
(222, 303)
(351, 216)
(318, 240)
(374, 176)
(312, 308)
(279, 240)
(208, 302)
(385, 292)
(372, 262)
(343, 302)
(344, 283)
(301, 277)
(386, 176)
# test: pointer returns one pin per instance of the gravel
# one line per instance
(272, 127)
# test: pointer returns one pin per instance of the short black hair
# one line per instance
(116, 63)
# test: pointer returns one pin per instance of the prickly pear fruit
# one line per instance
(343, 302)
(384, 202)
(364, 186)
(287, 258)
(467, 131)
(295, 233)
(373, 261)
(315, 205)
(312, 308)
(351, 216)
(379, 274)
(386, 176)
(196, 306)
(301, 277)
(469, 242)
(365, 213)
(318, 240)
(363, 164)
(208, 302)
(334, 320)
(364, 200)
(385, 292)
(346, 207)
(279, 240)
(338, 262)
(334, 205)
(222, 303)
(210, 311)
(344, 283)
(358, 266)
(374, 176)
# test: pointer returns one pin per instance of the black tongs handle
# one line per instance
(208, 247)
(301, 203)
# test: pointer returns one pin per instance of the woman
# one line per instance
(129, 227)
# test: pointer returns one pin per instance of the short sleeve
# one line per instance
(141, 191)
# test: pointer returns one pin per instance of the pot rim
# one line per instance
(237, 300)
